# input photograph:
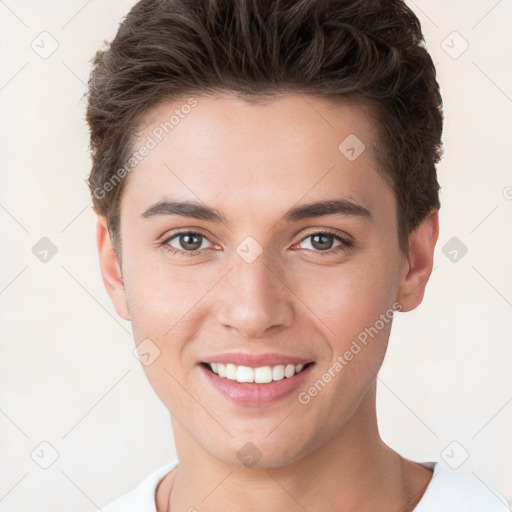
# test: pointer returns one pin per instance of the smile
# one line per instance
(259, 375)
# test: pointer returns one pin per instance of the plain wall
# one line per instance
(68, 376)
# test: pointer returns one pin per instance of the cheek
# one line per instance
(162, 317)
(350, 297)
(161, 297)
(167, 307)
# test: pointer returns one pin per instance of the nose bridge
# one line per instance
(254, 297)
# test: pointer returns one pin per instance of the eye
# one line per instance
(191, 243)
(322, 242)
(186, 243)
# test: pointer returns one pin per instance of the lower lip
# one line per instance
(254, 395)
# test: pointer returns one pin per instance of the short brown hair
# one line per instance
(364, 50)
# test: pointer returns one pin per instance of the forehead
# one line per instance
(225, 150)
(289, 118)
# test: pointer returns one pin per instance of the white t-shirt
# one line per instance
(448, 491)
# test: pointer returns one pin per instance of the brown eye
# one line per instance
(190, 241)
(325, 243)
(185, 242)
(322, 241)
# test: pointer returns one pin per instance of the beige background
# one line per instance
(67, 373)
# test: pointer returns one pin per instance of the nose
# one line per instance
(254, 298)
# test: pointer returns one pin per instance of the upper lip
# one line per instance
(255, 360)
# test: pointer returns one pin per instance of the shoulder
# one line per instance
(449, 491)
(142, 498)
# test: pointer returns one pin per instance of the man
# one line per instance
(264, 175)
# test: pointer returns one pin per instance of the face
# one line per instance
(252, 240)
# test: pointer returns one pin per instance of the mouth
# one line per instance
(257, 375)
(259, 381)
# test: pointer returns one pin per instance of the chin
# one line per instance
(262, 451)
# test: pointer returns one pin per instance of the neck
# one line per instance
(353, 471)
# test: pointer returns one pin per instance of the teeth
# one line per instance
(221, 369)
(289, 371)
(263, 374)
(260, 375)
(231, 371)
(244, 374)
(278, 372)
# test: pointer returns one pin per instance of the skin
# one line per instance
(253, 163)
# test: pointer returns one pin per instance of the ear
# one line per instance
(417, 269)
(111, 269)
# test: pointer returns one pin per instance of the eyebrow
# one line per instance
(196, 210)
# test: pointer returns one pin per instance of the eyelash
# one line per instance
(344, 245)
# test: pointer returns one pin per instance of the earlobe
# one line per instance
(417, 269)
(110, 269)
